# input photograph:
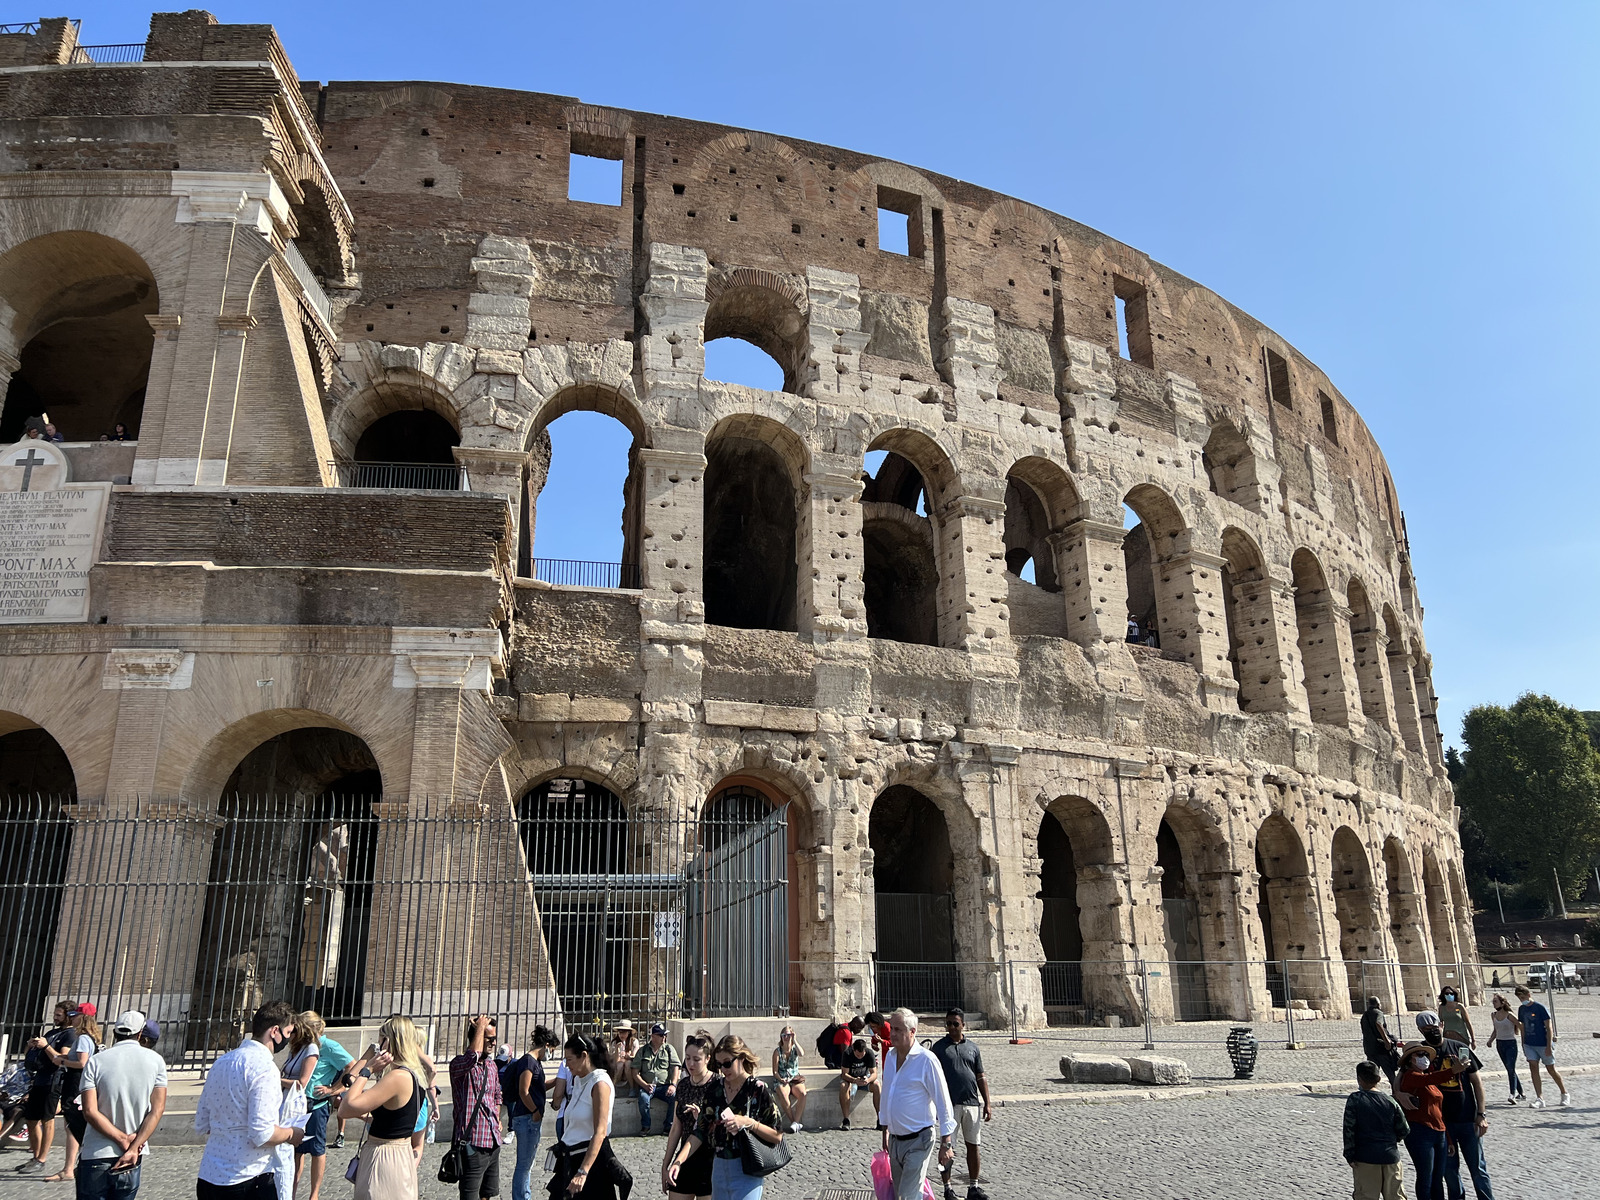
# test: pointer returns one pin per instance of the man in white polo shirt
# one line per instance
(124, 1093)
(916, 1107)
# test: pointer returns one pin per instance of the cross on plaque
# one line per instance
(28, 464)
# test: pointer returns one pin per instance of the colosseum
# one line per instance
(1048, 643)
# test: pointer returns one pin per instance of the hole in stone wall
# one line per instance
(1330, 417)
(595, 178)
(894, 232)
(580, 506)
(1278, 388)
(1133, 322)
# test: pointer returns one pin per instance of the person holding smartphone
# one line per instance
(475, 1100)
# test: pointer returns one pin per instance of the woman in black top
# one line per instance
(388, 1170)
(694, 1096)
(742, 1107)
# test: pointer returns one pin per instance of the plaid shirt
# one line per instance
(469, 1074)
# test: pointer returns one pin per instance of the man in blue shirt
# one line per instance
(1538, 1045)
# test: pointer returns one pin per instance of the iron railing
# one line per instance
(572, 572)
(565, 909)
(21, 27)
(310, 286)
(425, 477)
(120, 52)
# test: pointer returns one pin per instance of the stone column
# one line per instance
(973, 610)
(1427, 712)
(834, 337)
(1193, 623)
(1405, 698)
(1263, 609)
(672, 521)
(1377, 698)
(1094, 581)
(831, 554)
(1324, 653)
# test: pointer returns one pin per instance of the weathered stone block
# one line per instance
(1158, 1069)
(1096, 1068)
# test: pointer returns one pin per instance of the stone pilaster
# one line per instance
(1094, 581)
(831, 555)
(1368, 648)
(1263, 611)
(1193, 623)
(672, 351)
(974, 613)
(1405, 698)
(971, 359)
(1324, 654)
(834, 336)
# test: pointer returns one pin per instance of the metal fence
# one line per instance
(119, 52)
(565, 910)
(310, 285)
(572, 572)
(424, 477)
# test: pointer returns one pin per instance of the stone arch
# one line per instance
(1080, 901)
(1405, 926)
(33, 762)
(1041, 500)
(754, 481)
(1289, 914)
(1216, 346)
(1019, 268)
(1366, 639)
(764, 308)
(1189, 853)
(74, 333)
(1441, 919)
(1402, 682)
(206, 778)
(1358, 911)
(1254, 648)
(1318, 640)
(1466, 937)
(383, 394)
(321, 236)
(1144, 547)
(905, 585)
(1230, 465)
(1427, 703)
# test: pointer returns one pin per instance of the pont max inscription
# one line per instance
(49, 537)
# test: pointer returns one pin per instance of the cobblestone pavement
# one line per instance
(1249, 1147)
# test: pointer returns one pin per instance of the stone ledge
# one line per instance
(760, 716)
(580, 709)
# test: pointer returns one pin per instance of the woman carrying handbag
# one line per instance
(740, 1122)
(584, 1163)
(386, 1083)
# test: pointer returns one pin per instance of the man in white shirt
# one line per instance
(916, 1107)
(124, 1093)
(238, 1112)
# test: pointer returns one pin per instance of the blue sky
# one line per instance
(1406, 192)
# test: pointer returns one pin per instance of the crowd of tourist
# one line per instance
(1436, 1105)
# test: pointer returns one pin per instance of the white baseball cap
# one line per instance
(130, 1023)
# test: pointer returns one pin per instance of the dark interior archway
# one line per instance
(414, 448)
(80, 301)
(751, 571)
(913, 882)
(901, 581)
(1180, 919)
(36, 782)
(1360, 937)
(289, 893)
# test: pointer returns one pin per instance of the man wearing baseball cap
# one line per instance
(655, 1071)
(124, 1094)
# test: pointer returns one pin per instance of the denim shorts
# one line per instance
(315, 1141)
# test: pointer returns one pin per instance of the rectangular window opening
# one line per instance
(1330, 418)
(1278, 378)
(1133, 322)
(594, 170)
(900, 222)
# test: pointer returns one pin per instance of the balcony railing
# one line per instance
(424, 477)
(310, 288)
(571, 572)
(121, 52)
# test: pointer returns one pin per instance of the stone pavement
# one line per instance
(1249, 1146)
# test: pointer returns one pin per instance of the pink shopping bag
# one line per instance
(883, 1179)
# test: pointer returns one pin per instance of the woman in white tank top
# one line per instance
(585, 1165)
(1504, 1028)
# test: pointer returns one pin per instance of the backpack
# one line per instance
(828, 1052)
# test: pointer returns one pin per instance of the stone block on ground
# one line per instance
(1096, 1068)
(1158, 1069)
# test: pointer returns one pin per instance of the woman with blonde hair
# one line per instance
(386, 1083)
(791, 1085)
(742, 1105)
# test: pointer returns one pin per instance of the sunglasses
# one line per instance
(724, 1063)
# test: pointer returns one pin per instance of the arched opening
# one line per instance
(1427, 704)
(1180, 921)
(317, 238)
(1287, 910)
(1231, 466)
(1319, 647)
(580, 845)
(1078, 900)
(742, 922)
(1154, 525)
(913, 884)
(750, 564)
(1356, 908)
(36, 785)
(899, 547)
(1252, 625)
(1441, 925)
(1402, 683)
(771, 325)
(1027, 536)
(1466, 940)
(582, 522)
(1405, 926)
(79, 332)
(289, 889)
(413, 448)
(1365, 645)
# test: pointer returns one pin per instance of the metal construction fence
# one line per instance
(566, 910)
(390, 476)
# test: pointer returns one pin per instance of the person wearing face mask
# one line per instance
(1453, 1016)
(1465, 1111)
(1417, 1090)
(238, 1112)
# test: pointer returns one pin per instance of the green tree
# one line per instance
(1530, 786)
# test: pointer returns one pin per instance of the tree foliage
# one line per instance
(1530, 792)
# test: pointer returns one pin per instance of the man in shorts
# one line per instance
(969, 1091)
(859, 1073)
(1538, 1045)
(44, 1097)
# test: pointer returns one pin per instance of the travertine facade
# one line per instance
(301, 262)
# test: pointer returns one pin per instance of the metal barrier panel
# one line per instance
(736, 912)
(572, 572)
(424, 477)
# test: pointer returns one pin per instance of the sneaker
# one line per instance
(845, 1124)
(949, 1193)
(1566, 1100)
(1538, 1102)
(32, 1167)
(795, 1127)
(337, 1142)
(1511, 1100)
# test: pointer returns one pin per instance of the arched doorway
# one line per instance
(913, 874)
(768, 322)
(79, 302)
(1319, 647)
(1180, 921)
(1356, 907)
(742, 922)
(1078, 930)
(600, 880)
(1247, 606)
(1291, 928)
(1153, 525)
(751, 572)
(1441, 926)
(36, 783)
(413, 448)
(900, 552)
(1405, 926)
(288, 903)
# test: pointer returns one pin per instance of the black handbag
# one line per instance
(759, 1157)
(454, 1163)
